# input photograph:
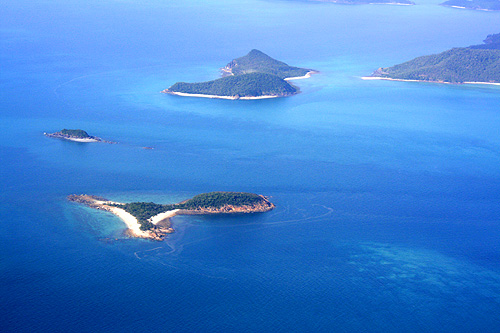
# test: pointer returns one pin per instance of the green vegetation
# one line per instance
(474, 4)
(143, 211)
(257, 61)
(478, 63)
(77, 133)
(253, 75)
(245, 85)
(221, 199)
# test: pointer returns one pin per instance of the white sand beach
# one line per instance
(402, 80)
(82, 140)
(214, 96)
(131, 222)
(308, 75)
(162, 216)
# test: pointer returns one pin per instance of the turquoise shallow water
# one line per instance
(387, 192)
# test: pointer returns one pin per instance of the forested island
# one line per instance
(152, 221)
(486, 5)
(253, 76)
(473, 64)
(75, 135)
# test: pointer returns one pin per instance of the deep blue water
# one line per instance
(387, 193)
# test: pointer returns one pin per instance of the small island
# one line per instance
(152, 221)
(77, 135)
(476, 64)
(485, 5)
(254, 76)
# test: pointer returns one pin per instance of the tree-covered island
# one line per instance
(151, 220)
(253, 76)
(473, 64)
(75, 135)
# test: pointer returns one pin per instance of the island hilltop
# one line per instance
(254, 76)
(473, 64)
(152, 221)
(75, 135)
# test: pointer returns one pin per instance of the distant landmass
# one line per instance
(75, 135)
(253, 76)
(473, 4)
(365, 2)
(152, 221)
(473, 64)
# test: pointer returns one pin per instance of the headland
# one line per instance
(475, 64)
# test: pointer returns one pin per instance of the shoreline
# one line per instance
(162, 225)
(367, 78)
(308, 75)
(133, 226)
(166, 91)
(58, 135)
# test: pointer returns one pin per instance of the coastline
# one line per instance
(161, 221)
(308, 75)
(133, 226)
(403, 80)
(164, 216)
(59, 135)
(166, 91)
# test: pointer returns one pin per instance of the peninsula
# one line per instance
(152, 221)
(75, 135)
(479, 64)
(254, 76)
(485, 5)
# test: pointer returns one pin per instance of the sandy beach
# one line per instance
(133, 225)
(163, 216)
(214, 96)
(308, 75)
(82, 140)
(131, 222)
(402, 80)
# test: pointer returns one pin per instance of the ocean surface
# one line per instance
(387, 193)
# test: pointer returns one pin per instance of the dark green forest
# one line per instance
(257, 61)
(477, 63)
(245, 85)
(143, 211)
(253, 75)
(78, 133)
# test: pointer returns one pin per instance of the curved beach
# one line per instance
(166, 91)
(403, 80)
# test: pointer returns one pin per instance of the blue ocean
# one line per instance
(387, 193)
